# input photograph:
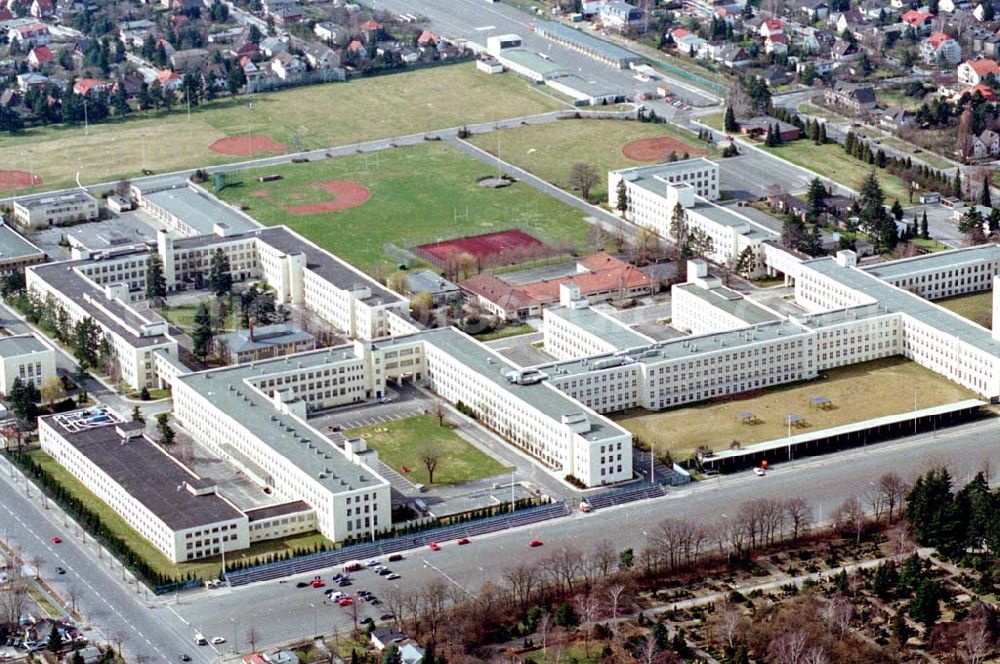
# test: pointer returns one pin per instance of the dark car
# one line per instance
(185, 658)
(302, 584)
(344, 582)
(385, 572)
(387, 616)
(364, 593)
(60, 570)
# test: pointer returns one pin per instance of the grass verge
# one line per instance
(977, 307)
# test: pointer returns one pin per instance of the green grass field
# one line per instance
(206, 569)
(850, 389)
(183, 316)
(831, 161)
(977, 307)
(415, 193)
(399, 444)
(550, 150)
(311, 116)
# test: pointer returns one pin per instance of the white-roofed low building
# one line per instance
(25, 357)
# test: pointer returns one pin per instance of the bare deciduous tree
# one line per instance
(522, 580)
(789, 648)
(838, 613)
(614, 593)
(894, 490)
(798, 514)
(252, 636)
(850, 517)
(583, 177)
(726, 623)
(430, 456)
(976, 643)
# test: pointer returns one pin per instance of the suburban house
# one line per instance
(321, 56)
(35, 34)
(618, 14)
(733, 56)
(42, 9)
(383, 635)
(170, 80)
(271, 46)
(845, 51)
(776, 44)
(39, 57)
(895, 118)
(134, 33)
(940, 47)
(771, 27)
(952, 6)
(918, 20)
(686, 41)
(815, 10)
(331, 32)
(759, 126)
(855, 98)
(852, 20)
(85, 86)
(286, 66)
(31, 80)
(189, 59)
(985, 145)
(972, 72)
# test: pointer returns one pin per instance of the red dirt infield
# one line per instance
(246, 145)
(345, 195)
(659, 149)
(482, 246)
(18, 179)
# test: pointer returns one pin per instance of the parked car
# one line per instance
(216, 640)
(393, 576)
(56, 540)
(185, 657)
(60, 570)
(535, 543)
(463, 540)
(302, 584)
(759, 472)
(387, 616)
(434, 546)
(316, 583)
(345, 601)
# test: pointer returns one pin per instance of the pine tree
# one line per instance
(924, 232)
(956, 184)
(54, 643)
(984, 193)
(729, 120)
(156, 283)
(822, 133)
(201, 334)
(621, 191)
(849, 143)
(816, 199)
(220, 278)
(897, 210)
(137, 415)
(925, 607)
(166, 432)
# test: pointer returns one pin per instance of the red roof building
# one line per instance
(917, 18)
(85, 86)
(40, 56)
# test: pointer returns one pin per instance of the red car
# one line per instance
(345, 601)
(535, 543)
(56, 540)
(434, 546)
(464, 540)
(316, 583)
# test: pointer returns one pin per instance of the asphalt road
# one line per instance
(282, 612)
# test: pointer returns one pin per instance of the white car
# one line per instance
(337, 595)
(372, 563)
(217, 640)
(393, 576)
(759, 472)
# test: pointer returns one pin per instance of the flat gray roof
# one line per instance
(305, 447)
(45, 200)
(199, 211)
(12, 245)
(148, 474)
(525, 58)
(936, 262)
(585, 41)
(263, 337)
(429, 281)
(669, 167)
(493, 367)
(608, 329)
(731, 302)
(22, 344)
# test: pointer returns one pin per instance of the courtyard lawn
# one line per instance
(550, 150)
(205, 569)
(183, 316)
(977, 307)
(419, 194)
(399, 443)
(859, 392)
(307, 117)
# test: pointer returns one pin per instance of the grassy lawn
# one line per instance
(206, 569)
(508, 331)
(894, 380)
(977, 307)
(832, 162)
(415, 193)
(550, 150)
(183, 315)
(713, 120)
(399, 443)
(311, 116)
(930, 246)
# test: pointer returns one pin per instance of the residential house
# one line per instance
(409, 55)
(734, 56)
(974, 72)
(770, 27)
(330, 32)
(855, 98)
(940, 48)
(845, 51)
(815, 10)
(618, 14)
(986, 43)
(134, 33)
(287, 66)
(410, 652)
(777, 44)
(250, 70)
(189, 59)
(39, 57)
(952, 6)
(85, 86)
(281, 656)
(427, 38)
(918, 20)
(440, 289)
(985, 146)
(982, 89)
(33, 34)
(170, 80)
(852, 20)
(357, 49)
(980, 11)
(895, 118)
(775, 76)
(876, 10)
(271, 46)
(807, 41)
(371, 30)
(383, 635)
(42, 9)
(321, 56)
(31, 80)
(759, 126)
(288, 15)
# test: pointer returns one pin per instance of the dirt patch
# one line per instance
(246, 145)
(489, 249)
(659, 149)
(261, 193)
(345, 195)
(18, 179)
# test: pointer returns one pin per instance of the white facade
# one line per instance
(57, 210)
(27, 358)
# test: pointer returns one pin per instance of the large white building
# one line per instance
(56, 210)
(25, 357)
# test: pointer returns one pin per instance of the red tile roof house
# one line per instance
(169, 79)
(427, 38)
(85, 86)
(601, 277)
(918, 19)
(972, 72)
(40, 56)
(35, 33)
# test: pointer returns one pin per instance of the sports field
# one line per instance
(860, 392)
(977, 307)
(550, 150)
(400, 443)
(418, 194)
(307, 117)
